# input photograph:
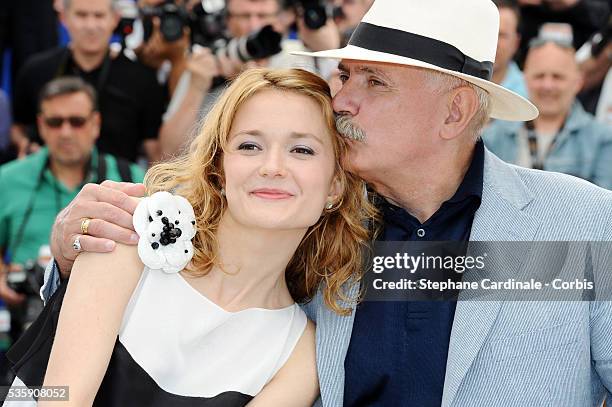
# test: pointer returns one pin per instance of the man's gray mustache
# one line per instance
(346, 128)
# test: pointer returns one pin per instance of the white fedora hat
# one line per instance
(457, 37)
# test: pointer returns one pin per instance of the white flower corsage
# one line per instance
(166, 225)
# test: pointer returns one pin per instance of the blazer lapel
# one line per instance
(333, 336)
(501, 217)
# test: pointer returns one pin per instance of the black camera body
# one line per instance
(205, 25)
(600, 40)
(173, 19)
(27, 282)
(314, 12)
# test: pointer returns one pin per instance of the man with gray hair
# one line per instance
(130, 99)
(416, 90)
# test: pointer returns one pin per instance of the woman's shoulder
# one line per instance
(122, 259)
(308, 339)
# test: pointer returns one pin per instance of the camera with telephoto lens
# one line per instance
(314, 12)
(257, 45)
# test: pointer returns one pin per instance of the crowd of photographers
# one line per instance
(134, 78)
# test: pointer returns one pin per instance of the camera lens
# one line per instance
(258, 45)
(315, 17)
(171, 27)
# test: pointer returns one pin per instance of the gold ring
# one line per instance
(85, 225)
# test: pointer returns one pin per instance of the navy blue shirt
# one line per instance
(398, 350)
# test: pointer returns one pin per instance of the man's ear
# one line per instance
(42, 129)
(96, 120)
(579, 83)
(462, 106)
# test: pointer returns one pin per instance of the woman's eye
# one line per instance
(303, 150)
(248, 147)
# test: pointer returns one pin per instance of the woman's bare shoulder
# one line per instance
(123, 258)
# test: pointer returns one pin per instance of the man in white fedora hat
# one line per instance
(416, 91)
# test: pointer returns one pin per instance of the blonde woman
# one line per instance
(275, 218)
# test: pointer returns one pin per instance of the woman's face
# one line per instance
(279, 162)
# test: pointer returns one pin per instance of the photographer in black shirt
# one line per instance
(130, 98)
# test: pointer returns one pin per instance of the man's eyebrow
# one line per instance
(364, 68)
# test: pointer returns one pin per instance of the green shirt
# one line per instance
(23, 186)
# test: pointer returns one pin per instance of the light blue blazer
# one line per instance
(513, 353)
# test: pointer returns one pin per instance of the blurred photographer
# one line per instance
(595, 59)
(256, 34)
(156, 34)
(348, 14)
(585, 17)
(130, 99)
(38, 187)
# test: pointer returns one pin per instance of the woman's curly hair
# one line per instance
(330, 256)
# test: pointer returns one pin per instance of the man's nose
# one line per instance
(273, 164)
(346, 100)
(91, 22)
(66, 130)
(547, 83)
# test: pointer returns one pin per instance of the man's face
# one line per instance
(399, 114)
(353, 11)
(552, 78)
(90, 24)
(508, 39)
(246, 16)
(69, 128)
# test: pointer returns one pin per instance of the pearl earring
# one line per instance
(329, 205)
(222, 191)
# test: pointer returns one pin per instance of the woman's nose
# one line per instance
(273, 164)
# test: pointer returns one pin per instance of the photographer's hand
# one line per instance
(203, 67)
(110, 207)
(326, 37)
(7, 294)
(228, 68)
(157, 50)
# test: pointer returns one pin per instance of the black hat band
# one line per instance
(414, 46)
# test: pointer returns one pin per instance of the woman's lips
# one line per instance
(269, 193)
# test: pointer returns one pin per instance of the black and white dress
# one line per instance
(175, 348)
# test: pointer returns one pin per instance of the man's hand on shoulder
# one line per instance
(109, 206)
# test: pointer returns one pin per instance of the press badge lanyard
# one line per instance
(10, 254)
(101, 174)
(537, 162)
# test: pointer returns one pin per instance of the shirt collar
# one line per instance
(471, 185)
